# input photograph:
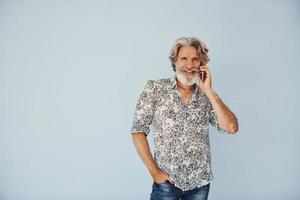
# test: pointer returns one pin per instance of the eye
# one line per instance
(183, 58)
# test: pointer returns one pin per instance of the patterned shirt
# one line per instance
(180, 131)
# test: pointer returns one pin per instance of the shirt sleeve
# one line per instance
(213, 119)
(144, 111)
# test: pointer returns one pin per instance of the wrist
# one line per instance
(154, 172)
(209, 91)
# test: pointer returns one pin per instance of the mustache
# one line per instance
(193, 69)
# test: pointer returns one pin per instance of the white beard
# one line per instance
(187, 81)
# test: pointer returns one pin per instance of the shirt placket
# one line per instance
(185, 117)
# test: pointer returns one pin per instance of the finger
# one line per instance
(206, 72)
(204, 66)
(170, 179)
(204, 69)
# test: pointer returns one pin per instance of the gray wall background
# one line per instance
(71, 73)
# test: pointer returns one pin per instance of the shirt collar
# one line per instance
(173, 81)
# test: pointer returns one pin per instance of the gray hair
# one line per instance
(192, 42)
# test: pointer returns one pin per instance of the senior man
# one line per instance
(179, 110)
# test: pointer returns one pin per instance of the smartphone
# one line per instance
(202, 75)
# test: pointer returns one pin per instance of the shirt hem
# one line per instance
(194, 187)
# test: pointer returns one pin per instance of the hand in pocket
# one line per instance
(162, 177)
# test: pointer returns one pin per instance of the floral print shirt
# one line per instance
(180, 131)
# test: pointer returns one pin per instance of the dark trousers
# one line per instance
(168, 191)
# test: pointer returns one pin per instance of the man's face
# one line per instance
(187, 58)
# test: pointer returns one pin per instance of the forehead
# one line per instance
(187, 51)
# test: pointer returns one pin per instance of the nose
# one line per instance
(189, 63)
(189, 66)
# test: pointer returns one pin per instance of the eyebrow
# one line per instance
(192, 57)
